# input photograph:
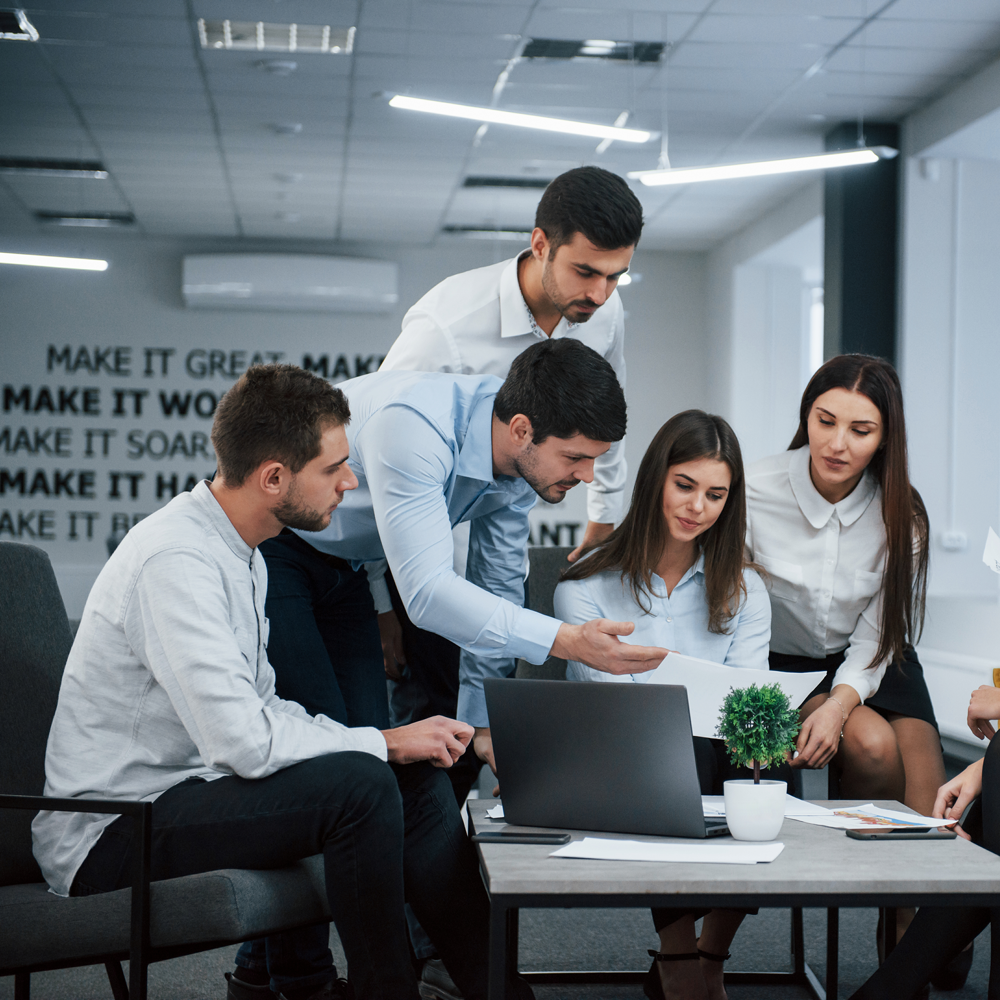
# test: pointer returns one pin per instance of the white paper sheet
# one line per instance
(870, 816)
(600, 849)
(715, 805)
(708, 684)
(496, 812)
(991, 554)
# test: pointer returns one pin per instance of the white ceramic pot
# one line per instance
(754, 812)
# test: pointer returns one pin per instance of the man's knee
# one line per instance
(358, 781)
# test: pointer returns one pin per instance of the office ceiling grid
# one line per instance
(206, 142)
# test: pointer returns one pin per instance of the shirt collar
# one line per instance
(516, 319)
(698, 567)
(818, 510)
(475, 456)
(219, 519)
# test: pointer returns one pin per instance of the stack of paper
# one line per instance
(867, 816)
(601, 849)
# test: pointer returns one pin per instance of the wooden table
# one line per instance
(819, 867)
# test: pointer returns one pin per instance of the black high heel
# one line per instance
(651, 984)
(954, 974)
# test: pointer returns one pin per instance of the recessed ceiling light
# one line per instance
(478, 181)
(262, 36)
(15, 27)
(763, 168)
(87, 220)
(288, 178)
(286, 128)
(36, 260)
(52, 168)
(494, 116)
(278, 67)
(478, 233)
(594, 48)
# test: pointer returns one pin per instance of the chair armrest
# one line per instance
(142, 813)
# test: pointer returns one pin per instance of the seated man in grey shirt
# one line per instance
(168, 696)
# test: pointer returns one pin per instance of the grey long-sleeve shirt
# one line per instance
(168, 679)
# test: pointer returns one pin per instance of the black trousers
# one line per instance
(939, 933)
(383, 831)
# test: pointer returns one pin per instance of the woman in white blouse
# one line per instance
(675, 566)
(843, 538)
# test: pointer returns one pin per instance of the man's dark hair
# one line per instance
(591, 201)
(274, 412)
(564, 388)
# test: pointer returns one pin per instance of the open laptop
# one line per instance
(613, 757)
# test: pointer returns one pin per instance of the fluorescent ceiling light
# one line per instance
(88, 220)
(15, 27)
(476, 233)
(763, 168)
(52, 168)
(73, 263)
(495, 117)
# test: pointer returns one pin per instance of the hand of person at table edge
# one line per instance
(441, 741)
(954, 796)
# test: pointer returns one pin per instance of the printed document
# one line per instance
(708, 684)
(601, 849)
(870, 816)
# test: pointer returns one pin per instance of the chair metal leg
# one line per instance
(139, 943)
(22, 986)
(798, 942)
(116, 977)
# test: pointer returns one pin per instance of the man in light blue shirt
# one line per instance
(431, 450)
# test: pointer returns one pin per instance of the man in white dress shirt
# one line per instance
(587, 225)
(168, 695)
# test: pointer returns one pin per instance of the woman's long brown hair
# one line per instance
(636, 545)
(907, 530)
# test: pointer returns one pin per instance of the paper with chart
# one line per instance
(602, 849)
(869, 816)
(708, 684)
(991, 554)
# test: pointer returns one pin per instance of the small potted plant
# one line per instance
(759, 728)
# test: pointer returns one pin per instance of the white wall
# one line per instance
(136, 304)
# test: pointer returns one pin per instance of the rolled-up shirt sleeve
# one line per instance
(177, 622)
(406, 477)
(605, 495)
(855, 669)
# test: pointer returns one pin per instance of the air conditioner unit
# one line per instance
(299, 282)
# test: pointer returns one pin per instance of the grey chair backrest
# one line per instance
(546, 563)
(35, 640)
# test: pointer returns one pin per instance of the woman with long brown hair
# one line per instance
(675, 566)
(843, 538)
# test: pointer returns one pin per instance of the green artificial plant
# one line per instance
(758, 726)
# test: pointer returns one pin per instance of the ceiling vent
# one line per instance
(52, 168)
(475, 181)
(261, 36)
(289, 282)
(594, 48)
(88, 220)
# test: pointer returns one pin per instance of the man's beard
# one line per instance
(552, 291)
(524, 466)
(292, 513)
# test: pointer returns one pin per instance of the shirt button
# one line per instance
(670, 619)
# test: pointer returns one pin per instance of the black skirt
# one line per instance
(903, 690)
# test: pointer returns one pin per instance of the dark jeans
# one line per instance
(325, 649)
(939, 933)
(714, 768)
(346, 806)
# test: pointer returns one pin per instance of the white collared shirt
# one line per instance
(678, 622)
(168, 679)
(824, 562)
(477, 322)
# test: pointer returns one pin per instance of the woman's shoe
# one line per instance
(651, 984)
(954, 974)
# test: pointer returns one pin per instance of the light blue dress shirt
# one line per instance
(678, 622)
(422, 448)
